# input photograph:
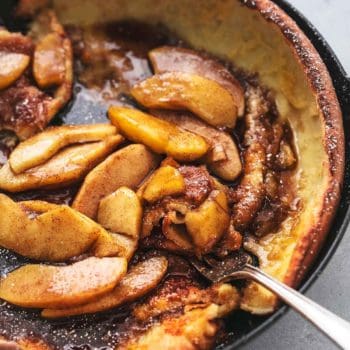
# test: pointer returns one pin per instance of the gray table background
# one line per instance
(332, 288)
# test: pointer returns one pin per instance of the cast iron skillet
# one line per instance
(246, 325)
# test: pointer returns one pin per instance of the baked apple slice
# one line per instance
(160, 136)
(126, 167)
(12, 66)
(41, 147)
(207, 224)
(106, 244)
(178, 59)
(203, 97)
(53, 59)
(223, 157)
(66, 167)
(43, 286)
(44, 231)
(121, 214)
(49, 61)
(165, 181)
(114, 244)
(140, 279)
(25, 108)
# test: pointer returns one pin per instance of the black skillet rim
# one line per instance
(341, 221)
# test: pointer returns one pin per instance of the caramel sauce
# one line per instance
(112, 58)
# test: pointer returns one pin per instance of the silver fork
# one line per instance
(240, 267)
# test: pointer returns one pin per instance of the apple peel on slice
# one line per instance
(175, 90)
(178, 59)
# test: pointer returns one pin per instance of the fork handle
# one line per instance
(330, 324)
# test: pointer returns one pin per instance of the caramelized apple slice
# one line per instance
(165, 181)
(115, 244)
(44, 286)
(23, 106)
(49, 67)
(121, 212)
(222, 158)
(178, 59)
(207, 224)
(12, 66)
(204, 97)
(41, 147)
(140, 280)
(127, 245)
(106, 245)
(161, 136)
(45, 231)
(27, 110)
(126, 167)
(53, 59)
(66, 167)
